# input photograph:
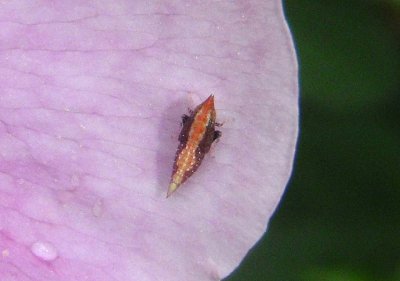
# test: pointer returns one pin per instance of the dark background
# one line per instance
(339, 219)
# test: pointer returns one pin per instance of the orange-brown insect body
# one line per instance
(197, 135)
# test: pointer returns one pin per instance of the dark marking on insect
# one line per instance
(185, 118)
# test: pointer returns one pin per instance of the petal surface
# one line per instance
(91, 94)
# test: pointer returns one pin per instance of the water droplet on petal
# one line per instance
(44, 250)
(97, 208)
(65, 196)
(5, 253)
(74, 180)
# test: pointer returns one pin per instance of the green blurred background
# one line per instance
(340, 217)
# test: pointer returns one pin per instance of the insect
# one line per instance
(195, 139)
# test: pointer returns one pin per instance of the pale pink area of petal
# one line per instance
(91, 96)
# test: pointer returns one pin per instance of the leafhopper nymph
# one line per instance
(195, 139)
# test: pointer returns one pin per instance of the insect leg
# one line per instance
(184, 119)
(217, 135)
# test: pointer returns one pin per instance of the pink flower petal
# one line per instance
(90, 101)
